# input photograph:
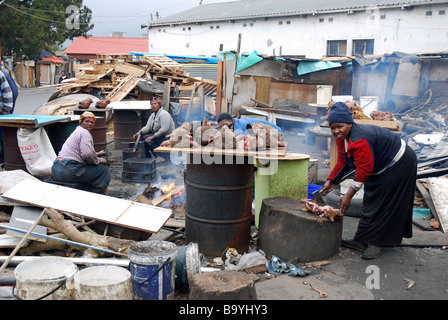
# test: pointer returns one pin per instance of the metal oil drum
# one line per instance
(218, 205)
(13, 157)
(126, 124)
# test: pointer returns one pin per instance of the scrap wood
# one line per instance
(83, 239)
(122, 90)
(437, 189)
(171, 222)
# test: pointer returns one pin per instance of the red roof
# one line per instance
(90, 47)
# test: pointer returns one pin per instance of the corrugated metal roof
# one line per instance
(247, 9)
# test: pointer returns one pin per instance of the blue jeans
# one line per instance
(93, 178)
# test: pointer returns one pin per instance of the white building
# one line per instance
(313, 29)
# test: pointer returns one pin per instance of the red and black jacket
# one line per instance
(370, 149)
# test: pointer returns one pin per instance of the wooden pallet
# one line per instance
(123, 88)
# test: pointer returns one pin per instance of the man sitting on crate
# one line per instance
(159, 125)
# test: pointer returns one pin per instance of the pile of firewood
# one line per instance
(115, 76)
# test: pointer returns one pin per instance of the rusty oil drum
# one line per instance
(13, 157)
(218, 206)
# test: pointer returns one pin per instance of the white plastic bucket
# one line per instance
(368, 104)
(103, 283)
(341, 98)
(38, 277)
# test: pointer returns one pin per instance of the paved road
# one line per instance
(31, 99)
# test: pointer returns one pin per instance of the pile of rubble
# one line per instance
(115, 76)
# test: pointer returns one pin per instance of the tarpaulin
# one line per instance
(304, 67)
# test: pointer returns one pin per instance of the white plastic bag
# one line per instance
(37, 151)
(248, 260)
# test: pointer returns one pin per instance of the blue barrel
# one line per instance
(152, 269)
(311, 189)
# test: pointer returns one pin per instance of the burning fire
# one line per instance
(168, 189)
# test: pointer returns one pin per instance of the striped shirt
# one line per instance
(6, 101)
(79, 147)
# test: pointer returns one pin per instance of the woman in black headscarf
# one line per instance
(387, 169)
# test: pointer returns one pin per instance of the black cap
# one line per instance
(224, 116)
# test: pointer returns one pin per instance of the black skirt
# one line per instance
(386, 215)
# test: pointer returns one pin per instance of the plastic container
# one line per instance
(368, 104)
(38, 277)
(311, 189)
(152, 265)
(188, 264)
(103, 283)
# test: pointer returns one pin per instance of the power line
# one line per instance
(31, 15)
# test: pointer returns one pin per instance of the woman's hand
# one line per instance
(101, 153)
(102, 160)
(135, 136)
(149, 139)
(345, 201)
(326, 188)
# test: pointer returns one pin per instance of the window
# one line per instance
(337, 48)
(330, 19)
(288, 22)
(321, 20)
(428, 13)
(280, 22)
(363, 47)
(442, 12)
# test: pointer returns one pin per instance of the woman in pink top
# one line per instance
(78, 162)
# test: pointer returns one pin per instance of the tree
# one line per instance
(29, 26)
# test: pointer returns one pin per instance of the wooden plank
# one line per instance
(122, 90)
(95, 206)
(437, 188)
(425, 194)
(262, 91)
(391, 125)
(130, 69)
(172, 192)
(209, 151)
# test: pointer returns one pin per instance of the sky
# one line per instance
(113, 15)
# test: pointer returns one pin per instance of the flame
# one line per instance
(169, 192)
(167, 188)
